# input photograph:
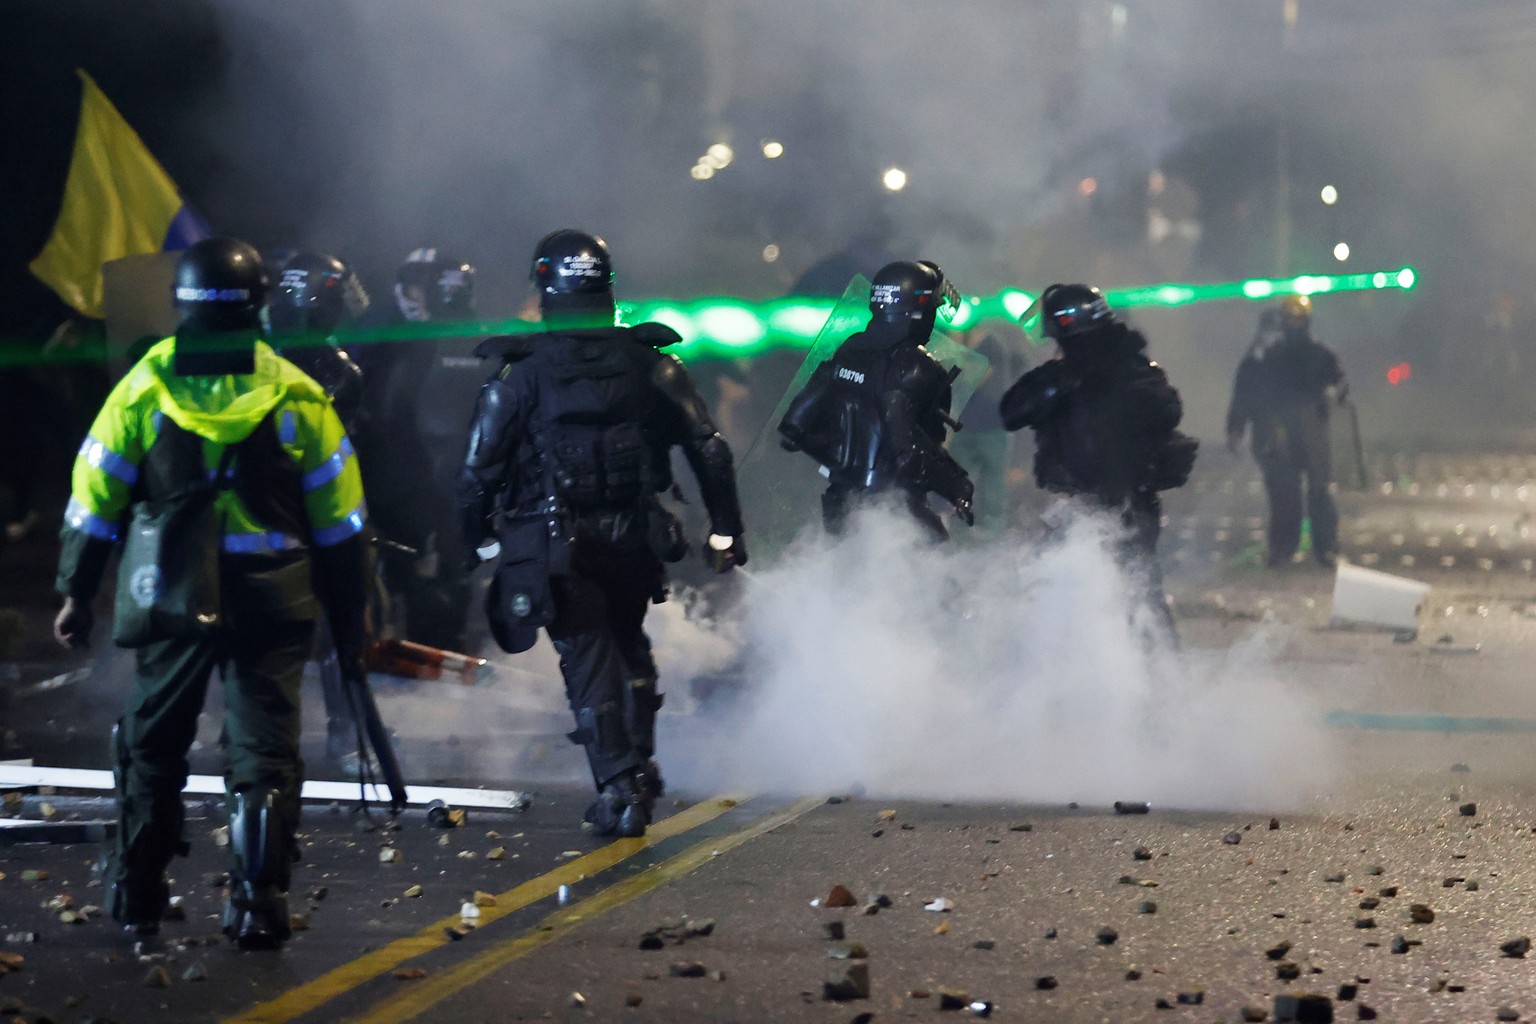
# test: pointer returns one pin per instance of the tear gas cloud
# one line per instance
(990, 671)
(972, 671)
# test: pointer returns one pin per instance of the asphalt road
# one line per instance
(1416, 733)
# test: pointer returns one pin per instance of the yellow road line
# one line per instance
(298, 1001)
(418, 997)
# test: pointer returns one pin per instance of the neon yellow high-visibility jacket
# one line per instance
(222, 410)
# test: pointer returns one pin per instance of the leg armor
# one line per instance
(256, 916)
(641, 702)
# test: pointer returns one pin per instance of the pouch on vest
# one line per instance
(520, 600)
(168, 577)
(600, 469)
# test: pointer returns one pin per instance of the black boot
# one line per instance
(622, 809)
(256, 916)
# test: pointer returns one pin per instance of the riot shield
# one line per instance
(780, 490)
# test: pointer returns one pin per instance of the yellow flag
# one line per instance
(118, 201)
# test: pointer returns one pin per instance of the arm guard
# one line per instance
(493, 434)
(708, 455)
(1034, 397)
(801, 415)
(82, 563)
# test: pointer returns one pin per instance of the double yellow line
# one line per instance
(419, 997)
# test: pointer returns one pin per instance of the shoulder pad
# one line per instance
(507, 347)
(654, 334)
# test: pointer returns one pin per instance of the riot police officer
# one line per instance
(313, 295)
(1105, 419)
(411, 484)
(1282, 391)
(246, 518)
(567, 452)
(875, 414)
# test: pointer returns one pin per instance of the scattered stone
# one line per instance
(1022, 826)
(1046, 982)
(1468, 810)
(578, 1000)
(413, 893)
(22, 938)
(34, 875)
(907, 826)
(1461, 766)
(942, 928)
(687, 969)
(1516, 948)
(1288, 971)
(1400, 945)
(1162, 1004)
(949, 999)
(633, 1000)
(879, 899)
(650, 940)
(1347, 991)
(985, 944)
(1452, 882)
(1335, 879)
(318, 893)
(1365, 922)
(941, 905)
(1472, 885)
(298, 922)
(409, 973)
(1107, 936)
(1232, 838)
(484, 899)
(1507, 1013)
(1254, 1014)
(1274, 824)
(979, 1008)
(1374, 869)
(1133, 975)
(854, 984)
(852, 951)
(1278, 952)
(196, 972)
(1131, 807)
(389, 855)
(496, 853)
(840, 896)
(1304, 1009)
(698, 929)
(1050, 933)
(157, 977)
(887, 815)
(1370, 903)
(1146, 907)
(1190, 998)
(833, 930)
(1141, 853)
(877, 833)
(468, 914)
(1389, 892)
(1421, 913)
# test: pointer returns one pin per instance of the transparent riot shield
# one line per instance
(780, 490)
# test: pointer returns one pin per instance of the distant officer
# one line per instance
(568, 450)
(1282, 390)
(876, 414)
(314, 294)
(229, 478)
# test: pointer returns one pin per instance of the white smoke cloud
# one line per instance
(990, 672)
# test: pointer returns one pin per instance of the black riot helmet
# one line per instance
(220, 287)
(572, 270)
(1067, 310)
(907, 290)
(1296, 312)
(314, 293)
(433, 286)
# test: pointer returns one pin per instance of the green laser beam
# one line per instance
(731, 328)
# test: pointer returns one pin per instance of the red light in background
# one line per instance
(1398, 373)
